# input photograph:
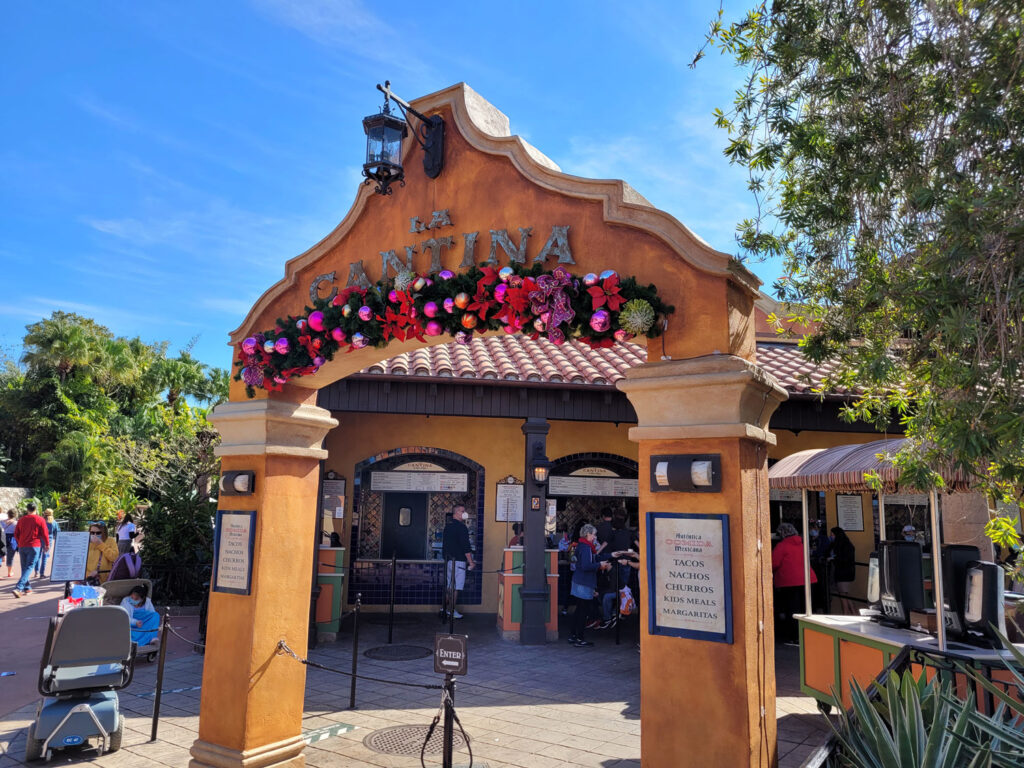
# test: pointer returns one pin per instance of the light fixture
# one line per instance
(694, 473)
(541, 467)
(237, 483)
(384, 135)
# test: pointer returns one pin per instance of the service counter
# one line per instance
(510, 585)
(330, 577)
(837, 649)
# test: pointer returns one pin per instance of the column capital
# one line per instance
(710, 396)
(271, 427)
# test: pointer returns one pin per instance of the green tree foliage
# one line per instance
(95, 423)
(885, 146)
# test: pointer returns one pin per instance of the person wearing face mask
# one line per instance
(102, 554)
(909, 533)
(844, 567)
(458, 556)
(145, 621)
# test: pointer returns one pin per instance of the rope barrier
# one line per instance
(182, 637)
(445, 699)
(284, 650)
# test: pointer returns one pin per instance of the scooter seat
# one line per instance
(88, 678)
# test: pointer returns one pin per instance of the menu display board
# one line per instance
(593, 486)
(778, 495)
(424, 482)
(850, 512)
(334, 497)
(688, 573)
(70, 553)
(232, 552)
(508, 502)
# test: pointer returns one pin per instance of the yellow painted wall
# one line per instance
(496, 444)
(790, 442)
(863, 541)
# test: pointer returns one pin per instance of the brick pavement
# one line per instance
(522, 707)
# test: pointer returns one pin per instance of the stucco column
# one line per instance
(707, 703)
(251, 709)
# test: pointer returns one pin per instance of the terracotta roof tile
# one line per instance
(517, 358)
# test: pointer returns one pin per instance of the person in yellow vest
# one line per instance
(102, 554)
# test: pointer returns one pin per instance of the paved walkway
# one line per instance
(522, 707)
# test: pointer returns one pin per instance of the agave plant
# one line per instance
(918, 723)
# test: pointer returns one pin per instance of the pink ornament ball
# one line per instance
(249, 345)
(281, 379)
(430, 309)
(462, 337)
(509, 329)
(429, 282)
(449, 305)
(393, 296)
(445, 274)
(545, 317)
(539, 325)
(600, 321)
(365, 313)
(268, 346)
(281, 346)
(346, 311)
(434, 328)
(505, 273)
(515, 281)
(412, 312)
(316, 321)
(358, 341)
(338, 335)
(500, 290)
(318, 361)
(590, 279)
(607, 273)
(622, 335)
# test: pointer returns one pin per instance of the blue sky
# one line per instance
(160, 161)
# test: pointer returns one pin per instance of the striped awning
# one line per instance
(844, 467)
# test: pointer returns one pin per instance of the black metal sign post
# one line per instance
(451, 657)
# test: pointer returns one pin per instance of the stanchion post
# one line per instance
(450, 596)
(449, 719)
(391, 604)
(355, 650)
(618, 601)
(160, 673)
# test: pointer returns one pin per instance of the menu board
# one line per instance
(232, 552)
(70, 553)
(593, 486)
(508, 502)
(425, 482)
(850, 512)
(779, 495)
(689, 587)
(334, 497)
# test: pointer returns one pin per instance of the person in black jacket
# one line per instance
(844, 567)
(458, 555)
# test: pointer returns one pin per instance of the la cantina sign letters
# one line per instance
(425, 256)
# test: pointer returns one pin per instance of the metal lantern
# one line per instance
(384, 135)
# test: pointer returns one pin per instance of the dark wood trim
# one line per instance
(520, 400)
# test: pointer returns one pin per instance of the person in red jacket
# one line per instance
(788, 578)
(33, 537)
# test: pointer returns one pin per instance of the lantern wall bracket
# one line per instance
(430, 135)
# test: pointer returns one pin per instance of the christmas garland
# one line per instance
(597, 309)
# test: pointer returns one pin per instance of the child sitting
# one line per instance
(145, 621)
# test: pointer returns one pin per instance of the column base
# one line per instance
(281, 754)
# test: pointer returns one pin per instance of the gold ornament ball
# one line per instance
(468, 320)
(462, 300)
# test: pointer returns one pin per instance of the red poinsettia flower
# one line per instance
(393, 324)
(597, 343)
(483, 301)
(607, 293)
(490, 278)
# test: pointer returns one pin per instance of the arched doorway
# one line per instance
(408, 523)
(712, 699)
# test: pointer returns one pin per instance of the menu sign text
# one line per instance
(690, 589)
(233, 546)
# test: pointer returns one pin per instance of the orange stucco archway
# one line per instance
(705, 396)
